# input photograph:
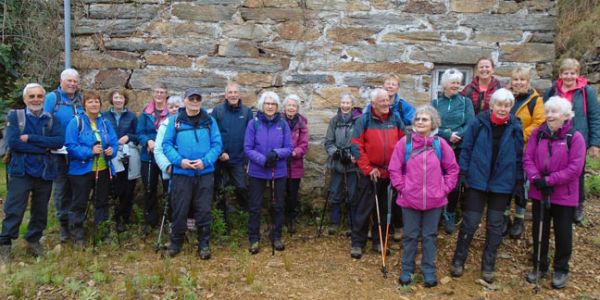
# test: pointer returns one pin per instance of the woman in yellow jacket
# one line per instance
(529, 108)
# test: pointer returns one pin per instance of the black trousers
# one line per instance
(365, 208)
(562, 221)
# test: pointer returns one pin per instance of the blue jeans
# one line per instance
(422, 223)
(62, 189)
(19, 189)
(257, 188)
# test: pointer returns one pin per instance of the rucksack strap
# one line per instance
(21, 121)
(531, 105)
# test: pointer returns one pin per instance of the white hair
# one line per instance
(30, 86)
(231, 83)
(175, 100)
(502, 95)
(349, 96)
(378, 92)
(69, 73)
(293, 97)
(565, 107)
(261, 100)
(451, 75)
(427, 109)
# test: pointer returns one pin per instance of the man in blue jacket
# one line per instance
(192, 144)
(63, 104)
(232, 116)
(31, 134)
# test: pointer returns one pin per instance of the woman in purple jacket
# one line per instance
(267, 144)
(299, 133)
(423, 178)
(554, 159)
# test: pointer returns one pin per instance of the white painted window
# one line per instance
(436, 84)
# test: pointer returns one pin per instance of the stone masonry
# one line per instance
(317, 49)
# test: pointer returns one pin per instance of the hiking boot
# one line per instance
(279, 246)
(377, 248)
(333, 228)
(78, 245)
(429, 280)
(254, 248)
(487, 276)
(356, 252)
(173, 250)
(517, 229)
(35, 248)
(397, 234)
(5, 253)
(578, 217)
(63, 233)
(535, 276)
(204, 253)
(450, 226)
(456, 270)
(348, 233)
(405, 278)
(559, 280)
(506, 224)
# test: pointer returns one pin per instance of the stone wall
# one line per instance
(314, 48)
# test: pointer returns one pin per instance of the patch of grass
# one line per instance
(596, 241)
(3, 183)
(577, 29)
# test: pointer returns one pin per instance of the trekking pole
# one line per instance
(148, 188)
(383, 267)
(272, 225)
(348, 204)
(545, 203)
(320, 230)
(95, 227)
(389, 219)
(165, 211)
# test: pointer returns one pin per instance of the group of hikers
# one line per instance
(400, 170)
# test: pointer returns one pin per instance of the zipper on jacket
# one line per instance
(425, 176)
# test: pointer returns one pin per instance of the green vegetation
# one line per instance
(577, 33)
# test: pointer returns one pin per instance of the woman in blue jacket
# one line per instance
(267, 145)
(91, 143)
(491, 171)
(124, 122)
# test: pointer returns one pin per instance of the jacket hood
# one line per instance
(559, 134)
(420, 141)
(263, 118)
(355, 112)
(580, 83)
(475, 83)
(149, 109)
(485, 118)
(183, 117)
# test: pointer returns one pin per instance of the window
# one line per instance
(436, 85)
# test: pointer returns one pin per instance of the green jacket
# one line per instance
(456, 114)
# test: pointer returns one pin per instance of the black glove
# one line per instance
(540, 184)
(337, 154)
(519, 194)
(271, 159)
(346, 157)
(462, 180)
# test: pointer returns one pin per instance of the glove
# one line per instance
(271, 159)
(346, 157)
(519, 194)
(462, 180)
(540, 183)
(337, 154)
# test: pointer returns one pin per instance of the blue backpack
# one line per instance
(408, 150)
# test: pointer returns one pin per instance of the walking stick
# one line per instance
(320, 230)
(95, 227)
(545, 204)
(383, 266)
(272, 225)
(389, 219)
(147, 196)
(165, 211)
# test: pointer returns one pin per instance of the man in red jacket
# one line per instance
(374, 137)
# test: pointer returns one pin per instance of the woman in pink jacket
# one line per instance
(423, 178)
(554, 158)
(299, 132)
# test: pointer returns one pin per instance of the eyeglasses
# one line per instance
(194, 99)
(420, 119)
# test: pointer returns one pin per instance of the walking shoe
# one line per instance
(377, 248)
(173, 249)
(506, 225)
(4, 253)
(405, 278)
(78, 245)
(35, 248)
(578, 217)
(559, 280)
(397, 234)
(450, 226)
(356, 252)
(204, 253)
(333, 228)
(517, 228)
(429, 280)
(254, 248)
(456, 270)
(63, 233)
(279, 246)
(534, 276)
(487, 276)
(348, 233)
